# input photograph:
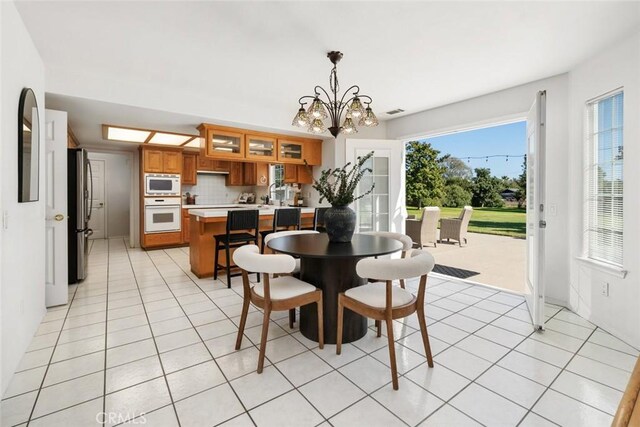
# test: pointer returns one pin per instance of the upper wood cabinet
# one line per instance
(227, 143)
(211, 165)
(161, 161)
(189, 164)
(222, 143)
(256, 174)
(297, 174)
(261, 148)
(236, 174)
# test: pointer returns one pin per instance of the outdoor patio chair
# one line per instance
(456, 228)
(424, 231)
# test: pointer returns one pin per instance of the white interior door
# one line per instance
(98, 221)
(535, 209)
(56, 222)
(384, 208)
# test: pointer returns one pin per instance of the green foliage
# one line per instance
(521, 185)
(456, 196)
(486, 189)
(425, 181)
(338, 185)
(455, 169)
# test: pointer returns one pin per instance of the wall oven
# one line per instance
(162, 215)
(161, 185)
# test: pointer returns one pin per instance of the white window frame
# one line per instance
(613, 261)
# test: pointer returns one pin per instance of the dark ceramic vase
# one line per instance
(340, 222)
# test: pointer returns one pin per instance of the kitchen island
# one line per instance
(204, 223)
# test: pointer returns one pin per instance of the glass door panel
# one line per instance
(373, 209)
(225, 144)
(260, 148)
(290, 151)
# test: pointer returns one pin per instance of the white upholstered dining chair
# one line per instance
(273, 294)
(383, 301)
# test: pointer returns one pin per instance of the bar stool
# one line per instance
(318, 220)
(282, 219)
(242, 229)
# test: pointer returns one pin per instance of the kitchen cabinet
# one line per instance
(297, 174)
(161, 160)
(185, 226)
(256, 174)
(211, 165)
(261, 148)
(228, 143)
(222, 143)
(189, 164)
(290, 151)
(236, 174)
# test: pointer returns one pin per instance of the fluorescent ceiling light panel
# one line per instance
(128, 135)
(169, 139)
(193, 144)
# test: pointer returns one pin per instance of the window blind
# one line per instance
(604, 176)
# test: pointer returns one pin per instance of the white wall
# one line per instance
(22, 255)
(618, 313)
(504, 106)
(118, 170)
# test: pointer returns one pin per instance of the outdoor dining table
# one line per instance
(332, 268)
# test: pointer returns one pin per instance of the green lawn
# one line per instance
(501, 221)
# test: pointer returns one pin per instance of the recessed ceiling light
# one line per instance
(193, 144)
(169, 139)
(127, 135)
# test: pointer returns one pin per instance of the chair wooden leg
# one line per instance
(215, 262)
(292, 317)
(243, 322)
(425, 336)
(378, 328)
(392, 353)
(263, 338)
(402, 283)
(339, 331)
(321, 323)
(227, 253)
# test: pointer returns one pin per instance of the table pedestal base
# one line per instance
(332, 275)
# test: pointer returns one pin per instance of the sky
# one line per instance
(504, 139)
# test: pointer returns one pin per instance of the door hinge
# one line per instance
(542, 223)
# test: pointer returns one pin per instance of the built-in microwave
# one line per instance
(161, 185)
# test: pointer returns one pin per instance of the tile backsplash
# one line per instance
(212, 191)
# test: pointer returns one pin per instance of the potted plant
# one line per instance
(338, 186)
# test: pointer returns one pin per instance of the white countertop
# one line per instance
(209, 211)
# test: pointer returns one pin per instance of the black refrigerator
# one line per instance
(79, 190)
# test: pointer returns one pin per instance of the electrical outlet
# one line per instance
(604, 289)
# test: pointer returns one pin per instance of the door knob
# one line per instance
(101, 204)
(59, 217)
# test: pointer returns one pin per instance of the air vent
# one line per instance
(396, 111)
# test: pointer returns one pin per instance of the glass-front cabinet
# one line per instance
(223, 144)
(261, 148)
(290, 151)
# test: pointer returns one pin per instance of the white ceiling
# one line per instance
(249, 62)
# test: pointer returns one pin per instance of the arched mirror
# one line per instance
(28, 147)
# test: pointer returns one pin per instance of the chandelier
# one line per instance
(333, 108)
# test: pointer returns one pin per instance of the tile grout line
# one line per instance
(164, 376)
(106, 326)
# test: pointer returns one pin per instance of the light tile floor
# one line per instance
(144, 340)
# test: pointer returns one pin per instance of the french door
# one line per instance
(536, 223)
(384, 208)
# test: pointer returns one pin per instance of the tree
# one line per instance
(425, 182)
(456, 196)
(486, 189)
(521, 184)
(454, 168)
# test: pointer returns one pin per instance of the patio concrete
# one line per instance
(500, 260)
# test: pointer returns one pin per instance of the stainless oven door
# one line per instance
(160, 219)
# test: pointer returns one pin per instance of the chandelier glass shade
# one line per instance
(326, 105)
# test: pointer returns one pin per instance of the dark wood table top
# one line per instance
(318, 246)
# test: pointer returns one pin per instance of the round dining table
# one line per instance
(332, 268)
